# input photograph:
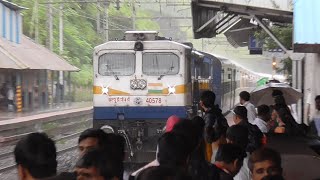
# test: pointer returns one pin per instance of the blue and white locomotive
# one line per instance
(143, 79)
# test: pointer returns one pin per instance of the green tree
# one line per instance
(80, 30)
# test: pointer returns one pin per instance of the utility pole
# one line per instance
(106, 22)
(50, 24)
(37, 21)
(61, 79)
(50, 74)
(98, 18)
(61, 29)
(133, 14)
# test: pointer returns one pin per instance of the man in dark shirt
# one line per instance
(215, 124)
(255, 135)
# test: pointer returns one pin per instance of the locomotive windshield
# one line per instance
(117, 64)
(160, 64)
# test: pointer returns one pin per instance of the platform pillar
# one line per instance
(18, 92)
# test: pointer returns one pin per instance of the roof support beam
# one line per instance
(269, 32)
(210, 21)
(227, 20)
(230, 26)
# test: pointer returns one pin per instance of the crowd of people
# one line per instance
(201, 148)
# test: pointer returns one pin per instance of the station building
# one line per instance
(28, 69)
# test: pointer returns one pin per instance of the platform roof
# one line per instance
(209, 15)
(29, 55)
(11, 5)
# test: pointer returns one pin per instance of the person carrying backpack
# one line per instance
(216, 124)
(255, 136)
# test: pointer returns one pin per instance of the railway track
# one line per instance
(58, 130)
(8, 155)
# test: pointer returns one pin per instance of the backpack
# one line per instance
(216, 125)
(255, 138)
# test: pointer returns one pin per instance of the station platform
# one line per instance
(300, 158)
(5, 115)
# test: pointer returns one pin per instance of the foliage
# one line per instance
(80, 30)
(284, 34)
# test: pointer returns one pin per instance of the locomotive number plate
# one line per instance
(154, 101)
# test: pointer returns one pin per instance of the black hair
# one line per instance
(106, 165)
(208, 98)
(279, 100)
(189, 130)
(94, 133)
(277, 92)
(37, 153)
(245, 95)
(317, 98)
(228, 153)
(174, 150)
(263, 110)
(118, 143)
(198, 125)
(242, 112)
(162, 173)
(265, 154)
(273, 177)
(238, 134)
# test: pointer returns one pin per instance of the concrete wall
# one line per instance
(311, 82)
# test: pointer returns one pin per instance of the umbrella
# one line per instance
(263, 94)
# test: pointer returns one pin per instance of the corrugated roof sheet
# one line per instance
(205, 10)
(29, 55)
(12, 5)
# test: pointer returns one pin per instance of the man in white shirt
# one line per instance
(264, 115)
(245, 101)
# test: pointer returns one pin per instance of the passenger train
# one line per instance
(143, 79)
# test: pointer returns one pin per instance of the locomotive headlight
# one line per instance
(142, 84)
(133, 84)
(171, 90)
(105, 90)
(121, 117)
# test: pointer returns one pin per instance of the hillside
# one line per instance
(81, 30)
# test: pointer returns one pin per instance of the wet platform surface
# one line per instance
(5, 115)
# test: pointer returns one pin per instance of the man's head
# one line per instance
(174, 150)
(116, 146)
(189, 130)
(238, 135)
(35, 156)
(161, 173)
(317, 99)
(207, 99)
(264, 112)
(91, 138)
(264, 162)
(240, 113)
(276, 92)
(280, 100)
(230, 157)
(98, 165)
(244, 97)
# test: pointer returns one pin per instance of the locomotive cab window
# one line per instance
(117, 64)
(156, 64)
